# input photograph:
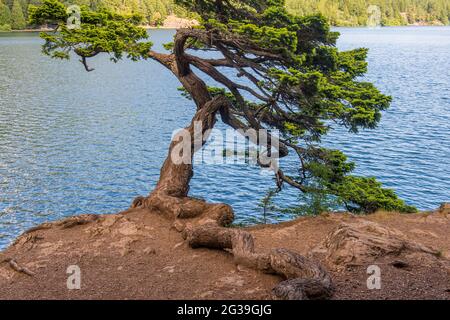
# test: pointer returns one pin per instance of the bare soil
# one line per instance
(138, 254)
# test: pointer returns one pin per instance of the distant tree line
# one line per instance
(393, 12)
(14, 13)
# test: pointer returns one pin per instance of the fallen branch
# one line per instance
(16, 267)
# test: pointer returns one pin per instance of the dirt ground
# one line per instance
(138, 254)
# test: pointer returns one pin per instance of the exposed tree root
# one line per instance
(77, 220)
(16, 267)
(197, 211)
(43, 226)
(203, 225)
(305, 279)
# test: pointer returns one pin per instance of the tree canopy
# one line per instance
(290, 77)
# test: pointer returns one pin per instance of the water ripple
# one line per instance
(73, 142)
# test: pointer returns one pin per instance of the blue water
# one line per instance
(73, 142)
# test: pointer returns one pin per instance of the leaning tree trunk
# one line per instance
(170, 195)
(205, 224)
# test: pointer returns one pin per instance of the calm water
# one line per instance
(73, 142)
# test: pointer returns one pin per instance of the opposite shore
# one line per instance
(174, 22)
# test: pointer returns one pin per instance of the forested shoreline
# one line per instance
(393, 12)
(14, 13)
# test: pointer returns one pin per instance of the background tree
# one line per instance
(5, 17)
(394, 12)
(156, 19)
(17, 18)
(276, 71)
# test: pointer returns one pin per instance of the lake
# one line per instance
(73, 142)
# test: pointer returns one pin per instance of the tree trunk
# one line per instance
(170, 196)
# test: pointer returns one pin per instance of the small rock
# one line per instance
(178, 244)
(178, 226)
(149, 250)
(232, 280)
(206, 294)
(170, 269)
(253, 291)
(445, 208)
(241, 268)
(400, 264)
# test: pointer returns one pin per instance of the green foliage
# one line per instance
(99, 32)
(366, 195)
(357, 194)
(5, 17)
(338, 12)
(5, 28)
(313, 204)
(267, 205)
(51, 11)
(393, 13)
(17, 17)
(154, 12)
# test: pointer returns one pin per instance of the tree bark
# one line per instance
(170, 196)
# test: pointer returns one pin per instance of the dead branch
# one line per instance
(16, 267)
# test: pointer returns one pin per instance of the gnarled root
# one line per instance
(16, 267)
(302, 289)
(305, 279)
(197, 211)
(203, 226)
(77, 220)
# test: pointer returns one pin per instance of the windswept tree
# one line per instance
(289, 76)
